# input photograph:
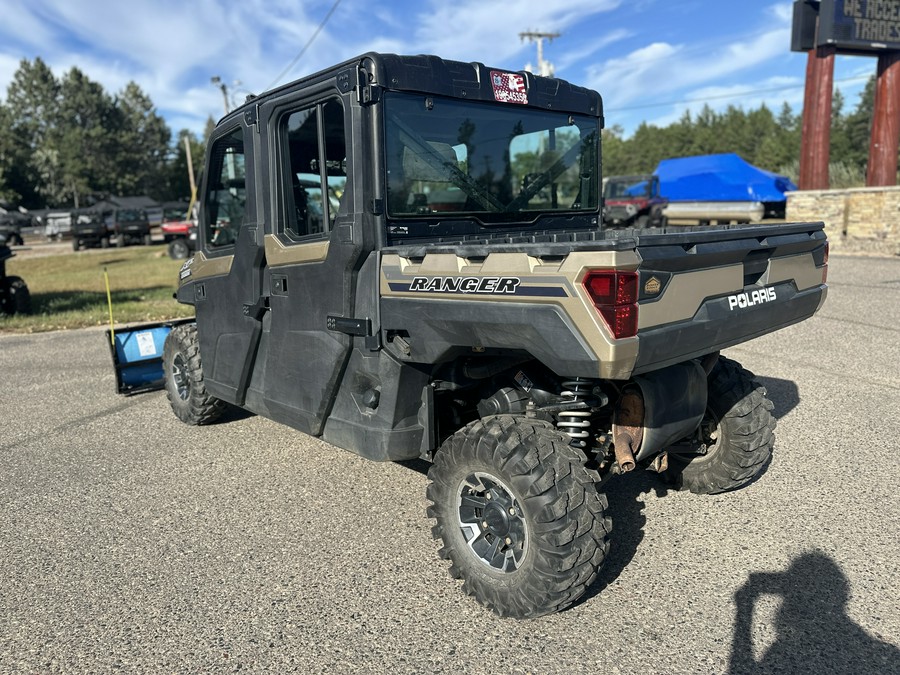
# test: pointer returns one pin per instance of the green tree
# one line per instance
(142, 141)
(32, 100)
(81, 139)
(67, 141)
(177, 177)
(857, 128)
(8, 192)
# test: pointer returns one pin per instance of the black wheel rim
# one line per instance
(492, 522)
(180, 378)
(710, 434)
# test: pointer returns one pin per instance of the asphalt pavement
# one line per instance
(131, 542)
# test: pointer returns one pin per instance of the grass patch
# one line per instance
(68, 290)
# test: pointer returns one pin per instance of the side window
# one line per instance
(226, 192)
(315, 168)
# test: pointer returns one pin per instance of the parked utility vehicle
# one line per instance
(14, 295)
(633, 201)
(180, 237)
(89, 229)
(462, 304)
(11, 225)
(128, 226)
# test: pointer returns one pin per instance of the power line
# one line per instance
(306, 46)
(725, 96)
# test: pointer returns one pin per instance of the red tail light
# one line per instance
(614, 294)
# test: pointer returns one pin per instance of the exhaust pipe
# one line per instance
(628, 429)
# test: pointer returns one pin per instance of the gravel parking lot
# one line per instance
(133, 542)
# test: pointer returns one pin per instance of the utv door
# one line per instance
(228, 269)
(312, 258)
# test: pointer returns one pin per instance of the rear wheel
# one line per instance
(518, 514)
(185, 388)
(16, 299)
(738, 431)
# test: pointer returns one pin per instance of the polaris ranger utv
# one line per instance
(461, 303)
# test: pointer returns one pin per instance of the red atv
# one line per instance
(633, 202)
(181, 237)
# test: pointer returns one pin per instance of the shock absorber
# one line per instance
(576, 422)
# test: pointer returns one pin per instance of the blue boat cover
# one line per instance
(719, 178)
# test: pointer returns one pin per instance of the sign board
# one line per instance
(803, 36)
(860, 26)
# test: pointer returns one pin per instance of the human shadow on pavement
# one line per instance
(783, 393)
(814, 633)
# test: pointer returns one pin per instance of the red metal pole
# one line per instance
(815, 141)
(885, 139)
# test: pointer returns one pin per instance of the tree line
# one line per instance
(761, 137)
(67, 142)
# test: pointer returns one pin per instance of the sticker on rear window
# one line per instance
(509, 87)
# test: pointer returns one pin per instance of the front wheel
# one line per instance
(737, 430)
(519, 515)
(178, 249)
(16, 299)
(185, 388)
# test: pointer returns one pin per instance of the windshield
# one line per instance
(498, 163)
(128, 215)
(631, 187)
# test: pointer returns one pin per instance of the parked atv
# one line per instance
(14, 295)
(89, 230)
(11, 227)
(180, 237)
(633, 202)
(129, 226)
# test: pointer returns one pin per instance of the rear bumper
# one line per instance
(720, 323)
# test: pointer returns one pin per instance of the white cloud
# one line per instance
(489, 31)
(783, 12)
(663, 68)
(569, 58)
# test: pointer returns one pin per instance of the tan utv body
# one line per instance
(403, 256)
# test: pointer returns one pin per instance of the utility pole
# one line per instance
(216, 80)
(544, 68)
(190, 167)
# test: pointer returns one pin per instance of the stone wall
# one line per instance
(858, 219)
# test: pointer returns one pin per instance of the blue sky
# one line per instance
(650, 59)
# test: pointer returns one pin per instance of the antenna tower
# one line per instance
(544, 68)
